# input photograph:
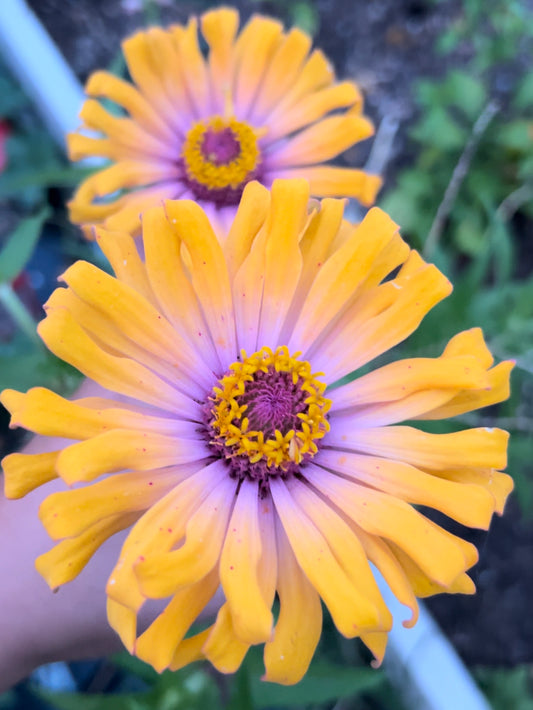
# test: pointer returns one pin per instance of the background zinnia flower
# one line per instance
(231, 447)
(256, 108)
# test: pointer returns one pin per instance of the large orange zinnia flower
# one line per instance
(233, 450)
(256, 108)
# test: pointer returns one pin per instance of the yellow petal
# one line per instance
(70, 513)
(219, 28)
(284, 70)
(122, 449)
(66, 339)
(478, 448)
(497, 390)
(126, 133)
(223, 648)
(380, 554)
(350, 610)
(100, 327)
(250, 216)
(25, 472)
(283, 260)
(146, 74)
(423, 586)
(297, 632)
(377, 643)
(332, 181)
(171, 284)
(323, 140)
(159, 529)
(66, 560)
(403, 377)
(498, 484)
(124, 621)
(345, 546)
(189, 650)
(195, 73)
(162, 574)
(48, 414)
(131, 314)
(359, 338)
(339, 277)
(441, 555)
(468, 504)
(209, 273)
(313, 107)
(102, 84)
(252, 618)
(254, 48)
(315, 74)
(158, 644)
(121, 252)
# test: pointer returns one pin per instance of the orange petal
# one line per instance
(468, 504)
(478, 448)
(283, 260)
(70, 513)
(209, 273)
(313, 107)
(332, 181)
(403, 377)
(160, 528)
(251, 214)
(252, 618)
(350, 610)
(288, 655)
(25, 472)
(158, 644)
(283, 71)
(189, 650)
(66, 560)
(322, 141)
(162, 574)
(170, 283)
(120, 250)
(223, 648)
(498, 484)
(66, 339)
(339, 277)
(441, 555)
(254, 48)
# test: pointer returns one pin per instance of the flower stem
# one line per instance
(18, 312)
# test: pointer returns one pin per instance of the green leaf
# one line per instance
(323, 682)
(507, 688)
(439, 129)
(465, 92)
(516, 135)
(20, 245)
(523, 97)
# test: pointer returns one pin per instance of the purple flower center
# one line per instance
(273, 402)
(220, 147)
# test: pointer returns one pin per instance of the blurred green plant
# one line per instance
(507, 688)
(467, 202)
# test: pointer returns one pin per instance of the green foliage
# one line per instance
(18, 249)
(193, 688)
(507, 688)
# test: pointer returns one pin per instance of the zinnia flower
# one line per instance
(202, 128)
(236, 448)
